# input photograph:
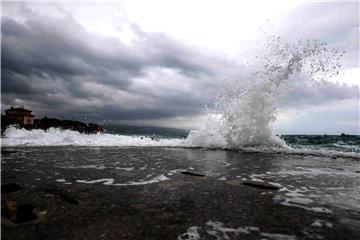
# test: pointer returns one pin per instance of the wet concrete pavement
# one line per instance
(142, 193)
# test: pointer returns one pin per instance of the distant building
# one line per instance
(19, 115)
(23, 118)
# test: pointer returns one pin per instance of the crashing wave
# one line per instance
(247, 106)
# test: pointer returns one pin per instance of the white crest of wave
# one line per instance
(59, 137)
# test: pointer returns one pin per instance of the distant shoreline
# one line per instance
(46, 123)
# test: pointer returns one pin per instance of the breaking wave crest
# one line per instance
(57, 137)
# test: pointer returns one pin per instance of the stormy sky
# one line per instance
(160, 63)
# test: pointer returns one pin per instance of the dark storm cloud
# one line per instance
(51, 60)
(171, 54)
(59, 48)
(117, 113)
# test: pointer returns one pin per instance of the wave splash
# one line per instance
(245, 108)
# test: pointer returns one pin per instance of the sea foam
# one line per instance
(58, 137)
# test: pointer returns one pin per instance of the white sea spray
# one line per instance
(246, 107)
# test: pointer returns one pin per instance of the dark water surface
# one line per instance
(157, 132)
(141, 193)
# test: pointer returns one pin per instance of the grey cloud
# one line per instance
(48, 60)
(56, 67)
(171, 54)
(302, 94)
(336, 23)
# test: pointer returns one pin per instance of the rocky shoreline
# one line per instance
(46, 123)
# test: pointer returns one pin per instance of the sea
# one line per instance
(343, 145)
(346, 143)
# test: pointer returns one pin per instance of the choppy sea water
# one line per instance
(318, 145)
(341, 143)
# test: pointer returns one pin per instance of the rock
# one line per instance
(64, 194)
(25, 213)
(10, 187)
(193, 174)
(19, 213)
(10, 210)
(260, 185)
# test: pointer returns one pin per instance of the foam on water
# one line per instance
(190, 234)
(277, 236)
(99, 167)
(218, 230)
(58, 137)
(110, 181)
